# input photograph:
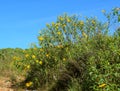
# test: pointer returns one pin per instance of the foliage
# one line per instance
(95, 55)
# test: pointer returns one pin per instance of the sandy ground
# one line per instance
(5, 85)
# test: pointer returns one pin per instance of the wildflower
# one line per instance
(58, 33)
(60, 46)
(37, 61)
(40, 38)
(64, 59)
(47, 55)
(35, 48)
(14, 58)
(81, 23)
(41, 49)
(53, 23)
(57, 24)
(57, 27)
(85, 35)
(40, 62)
(27, 55)
(93, 22)
(28, 66)
(28, 84)
(68, 20)
(64, 25)
(61, 19)
(33, 56)
(102, 85)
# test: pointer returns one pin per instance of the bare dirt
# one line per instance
(5, 84)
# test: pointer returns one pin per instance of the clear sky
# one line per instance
(21, 20)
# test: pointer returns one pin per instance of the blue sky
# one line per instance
(21, 20)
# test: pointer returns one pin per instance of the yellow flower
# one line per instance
(85, 35)
(41, 49)
(28, 67)
(61, 19)
(64, 59)
(58, 33)
(60, 46)
(40, 38)
(81, 23)
(40, 62)
(47, 55)
(64, 25)
(37, 61)
(57, 27)
(27, 55)
(68, 20)
(102, 85)
(57, 24)
(93, 22)
(28, 84)
(35, 48)
(53, 23)
(14, 58)
(33, 56)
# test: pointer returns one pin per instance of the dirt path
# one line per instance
(5, 85)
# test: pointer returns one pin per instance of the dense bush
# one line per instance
(80, 49)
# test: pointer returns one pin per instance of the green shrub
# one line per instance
(86, 41)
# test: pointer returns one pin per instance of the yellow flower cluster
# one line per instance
(58, 33)
(59, 46)
(68, 20)
(64, 25)
(40, 62)
(16, 58)
(93, 22)
(41, 50)
(81, 23)
(33, 56)
(27, 55)
(102, 85)
(61, 18)
(53, 24)
(64, 59)
(28, 84)
(84, 34)
(28, 66)
(57, 24)
(47, 55)
(35, 48)
(41, 38)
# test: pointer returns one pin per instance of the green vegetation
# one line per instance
(74, 54)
